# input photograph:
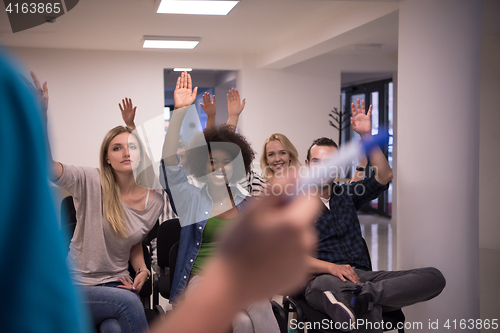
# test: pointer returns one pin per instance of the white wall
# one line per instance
(489, 139)
(220, 91)
(281, 102)
(438, 151)
(86, 86)
(489, 159)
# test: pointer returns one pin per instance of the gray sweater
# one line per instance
(97, 254)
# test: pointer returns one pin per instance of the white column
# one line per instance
(438, 159)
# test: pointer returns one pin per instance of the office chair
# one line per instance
(169, 233)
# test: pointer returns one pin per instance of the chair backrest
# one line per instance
(173, 260)
(169, 233)
(68, 218)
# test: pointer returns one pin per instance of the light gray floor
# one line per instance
(381, 240)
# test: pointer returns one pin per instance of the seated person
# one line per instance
(114, 215)
(253, 183)
(343, 286)
(204, 212)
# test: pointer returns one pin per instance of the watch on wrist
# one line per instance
(360, 168)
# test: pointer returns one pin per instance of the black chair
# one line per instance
(68, 225)
(68, 219)
(306, 313)
(169, 233)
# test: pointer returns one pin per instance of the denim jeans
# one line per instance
(115, 310)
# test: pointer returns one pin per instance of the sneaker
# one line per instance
(349, 306)
(338, 311)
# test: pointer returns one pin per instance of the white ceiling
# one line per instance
(280, 32)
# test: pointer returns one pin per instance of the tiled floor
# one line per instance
(381, 241)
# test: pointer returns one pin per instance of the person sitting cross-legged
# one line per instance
(343, 286)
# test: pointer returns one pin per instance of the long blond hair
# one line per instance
(287, 144)
(111, 197)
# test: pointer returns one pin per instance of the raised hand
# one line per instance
(208, 105)
(128, 112)
(361, 122)
(184, 93)
(42, 93)
(234, 106)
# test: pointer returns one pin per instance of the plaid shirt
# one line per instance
(338, 228)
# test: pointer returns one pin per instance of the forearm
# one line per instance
(131, 125)
(56, 168)
(381, 168)
(137, 257)
(233, 121)
(210, 121)
(172, 137)
(317, 266)
(359, 174)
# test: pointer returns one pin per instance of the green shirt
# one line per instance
(209, 242)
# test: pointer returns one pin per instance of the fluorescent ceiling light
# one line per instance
(154, 42)
(180, 69)
(196, 7)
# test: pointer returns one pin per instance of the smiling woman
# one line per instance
(278, 155)
(219, 157)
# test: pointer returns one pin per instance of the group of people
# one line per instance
(239, 242)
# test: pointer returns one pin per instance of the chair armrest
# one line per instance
(156, 292)
(290, 305)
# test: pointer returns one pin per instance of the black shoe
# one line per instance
(349, 306)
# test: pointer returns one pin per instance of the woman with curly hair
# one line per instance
(218, 158)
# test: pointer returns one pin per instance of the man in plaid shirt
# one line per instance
(343, 285)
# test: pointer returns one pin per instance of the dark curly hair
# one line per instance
(197, 154)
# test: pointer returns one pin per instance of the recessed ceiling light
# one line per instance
(180, 69)
(196, 7)
(155, 42)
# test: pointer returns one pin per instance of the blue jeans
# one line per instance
(115, 310)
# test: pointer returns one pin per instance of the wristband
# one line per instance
(359, 168)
